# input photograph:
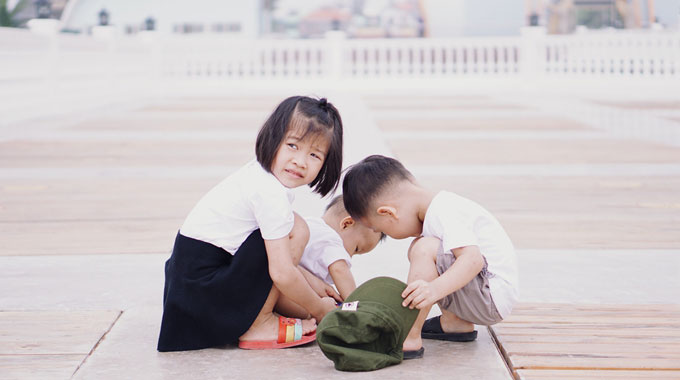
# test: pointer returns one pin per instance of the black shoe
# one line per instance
(432, 329)
(415, 354)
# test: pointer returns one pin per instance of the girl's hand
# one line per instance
(420, 294)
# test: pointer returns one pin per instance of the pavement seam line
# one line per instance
(502, 352)
(101, 339)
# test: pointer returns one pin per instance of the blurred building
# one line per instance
(401, 19)
(358, 18)
(564, 16)
(39, 9)
(295, 18)
(394, 18)
(225, 17)
(320, 21)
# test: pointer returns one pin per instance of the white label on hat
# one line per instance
(350, 306)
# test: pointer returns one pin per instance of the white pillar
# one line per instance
(532, 52)
(335, 41)
(51, 61)
(152, 40)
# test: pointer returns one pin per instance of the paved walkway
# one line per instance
(89, 205)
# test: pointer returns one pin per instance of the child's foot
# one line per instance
(452, 324)
(452, 329)
(413, 344)
(267, 328)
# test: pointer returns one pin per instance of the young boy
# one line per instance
(333, 240)
(461, 257)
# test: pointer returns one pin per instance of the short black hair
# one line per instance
(338, 201)
(335, 201)
(367, 179)
(316, 116)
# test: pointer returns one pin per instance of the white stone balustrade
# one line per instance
(616, 54)
(41, 66)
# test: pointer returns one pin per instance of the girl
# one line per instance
(235, 257)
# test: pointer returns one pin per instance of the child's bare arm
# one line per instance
(342, 277)
(288, 279)
(422, 294)
(320, 287)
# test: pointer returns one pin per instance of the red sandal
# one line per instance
(290, 335)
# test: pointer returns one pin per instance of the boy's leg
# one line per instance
(266, 324)
(451, 323)
(422, 255)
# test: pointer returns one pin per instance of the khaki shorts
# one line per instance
(472, 302)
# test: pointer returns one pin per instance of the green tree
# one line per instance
(9, 18)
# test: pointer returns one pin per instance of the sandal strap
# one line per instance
(298, 329)
(290, 330)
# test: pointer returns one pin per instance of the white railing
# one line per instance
(620, 55)
(430, 57)
(46, 72)
(58, 58)
(339, 58)
(617, 54)
(63, 59)
(243, 59)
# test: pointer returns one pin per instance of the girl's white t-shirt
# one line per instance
(248, 199)
(460, 222)
(324, 248)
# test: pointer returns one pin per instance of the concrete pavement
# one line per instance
(90, 206)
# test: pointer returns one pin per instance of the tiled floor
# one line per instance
(112, 189)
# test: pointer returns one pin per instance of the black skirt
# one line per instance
(211, 298)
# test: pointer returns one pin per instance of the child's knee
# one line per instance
(424, 247)
(300, 232)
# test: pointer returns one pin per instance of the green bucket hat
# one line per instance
(369, 330)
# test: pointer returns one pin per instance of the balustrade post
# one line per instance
(335, 44)
(52, 66)
(154, 65)
(532, 52)
(108, 35)
(43, 26)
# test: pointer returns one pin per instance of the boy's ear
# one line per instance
(346, 222)
(388, 211)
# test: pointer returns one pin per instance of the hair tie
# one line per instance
(323, 103)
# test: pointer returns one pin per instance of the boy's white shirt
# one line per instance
(460, 222)
(248, 199)
(324, 248)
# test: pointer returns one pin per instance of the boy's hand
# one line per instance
(320, 287)
(419, 294)
(342, 277)
(329, 304)
(330, 292)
